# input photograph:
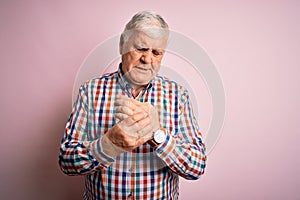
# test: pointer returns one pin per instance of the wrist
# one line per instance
(109, 148)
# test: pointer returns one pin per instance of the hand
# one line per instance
(125, 133)
(126, 107)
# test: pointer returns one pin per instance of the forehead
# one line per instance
(153, 38)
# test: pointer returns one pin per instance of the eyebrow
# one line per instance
(138, 46)
(141, 47)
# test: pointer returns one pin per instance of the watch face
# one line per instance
(159, 136)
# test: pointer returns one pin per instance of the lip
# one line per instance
(142, 68)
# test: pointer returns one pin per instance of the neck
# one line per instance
(136, 90)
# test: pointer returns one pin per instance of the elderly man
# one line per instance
(132, 133)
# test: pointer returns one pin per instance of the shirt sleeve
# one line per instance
(184, 151)
(79, 155)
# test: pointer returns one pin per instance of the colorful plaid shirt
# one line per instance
(145, 172)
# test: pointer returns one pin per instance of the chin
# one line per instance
(141, 82)
(140, 79)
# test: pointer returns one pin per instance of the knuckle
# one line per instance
(147, 120)
(148, 105)
(122, 108)
(135, 117)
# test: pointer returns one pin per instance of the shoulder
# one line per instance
(97, 81)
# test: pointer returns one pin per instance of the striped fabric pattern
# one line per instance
(144, 173)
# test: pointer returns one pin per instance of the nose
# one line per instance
(146, 57)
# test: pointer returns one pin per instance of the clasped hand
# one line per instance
(138, 121)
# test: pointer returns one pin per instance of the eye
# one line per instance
(157, 52)
(140, 48)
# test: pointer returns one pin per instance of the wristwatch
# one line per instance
(159, 137)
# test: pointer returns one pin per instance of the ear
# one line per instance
(121, 44)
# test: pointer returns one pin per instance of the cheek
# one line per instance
(129, 61)
(158, 60)
(156, 68)
(133, 58)
(156, 65)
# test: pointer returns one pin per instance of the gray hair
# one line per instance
(143, 20)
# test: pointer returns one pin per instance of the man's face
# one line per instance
(142, 58)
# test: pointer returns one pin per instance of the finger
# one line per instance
(126, 103)
(144, 122)
(147, 131)
(144, 106)
(124, 110)
(136, 103)
(122, 97)
(136, 126)
(119, 96)
(140, 141)
(121, 116)
(131, 120)
(133, 101)
(139, 116)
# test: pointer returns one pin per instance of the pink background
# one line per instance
(254, 44)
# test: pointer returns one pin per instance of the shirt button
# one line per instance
(131, 169)
(129, 196)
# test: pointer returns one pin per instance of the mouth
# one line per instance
(142, 68)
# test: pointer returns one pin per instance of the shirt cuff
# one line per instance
(165, 149)
(96, 148)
